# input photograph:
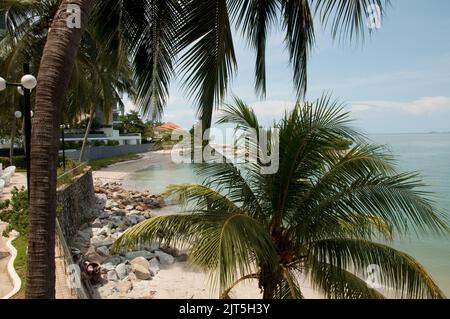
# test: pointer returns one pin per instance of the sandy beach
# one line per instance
(180, 280)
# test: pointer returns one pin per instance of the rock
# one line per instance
(122, 270)
(85, 235)
(107, 267)
(119, 212)
(171, 251)
(152, 246)
(154, 266)
(141, 253)
(141, 268)
(114, 260)
(125, 287)
(99, 241)
(147, 214)
(129, 207)
(164, 259)
(104, 215)
(104, 231)
(141, 207)
(134, 212)
(134, 219)
(103, 251)
(117, 195)
(117, 221)
(112, 276)
(94, 257)
(182, 258)
(97, 223)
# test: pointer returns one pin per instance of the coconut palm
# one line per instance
(198, 32)
(323, 215)
(100, 74)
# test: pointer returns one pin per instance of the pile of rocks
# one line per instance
(128, 272)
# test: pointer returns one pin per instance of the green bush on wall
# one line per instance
(20, 162)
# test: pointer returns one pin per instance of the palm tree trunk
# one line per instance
(53, 79)
(86, 134)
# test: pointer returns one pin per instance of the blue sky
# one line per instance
(397, 81)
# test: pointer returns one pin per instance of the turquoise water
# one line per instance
(428, 154)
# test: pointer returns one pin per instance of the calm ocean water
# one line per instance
(429, 154)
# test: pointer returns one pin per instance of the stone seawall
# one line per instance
(76, 203)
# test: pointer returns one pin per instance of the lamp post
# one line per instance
(63, 127)
(27, 83)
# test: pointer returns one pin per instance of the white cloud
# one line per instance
(425, 105)
(272, 109)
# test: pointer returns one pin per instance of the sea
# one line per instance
(427, 154)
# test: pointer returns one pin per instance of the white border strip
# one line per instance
(17, 283)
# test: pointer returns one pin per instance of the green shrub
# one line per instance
(18, 161)
(15, 211)
(112, 143)
(97, 143)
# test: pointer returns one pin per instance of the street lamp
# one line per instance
(27, 83)
(63, 127)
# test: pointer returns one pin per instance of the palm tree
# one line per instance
(322, 215)
(156, 33)
(99, 76)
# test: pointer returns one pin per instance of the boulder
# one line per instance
(117, 221)
(122, 270)
(119, 212)
(182, 257)
(154, 266)
(103, 251)
(99, 241)
(134, 219)
(107, 267)
(97, 223)
(141, 253)
(151, 246)
(125, 287)
(112, 276)
(147, 214)
(164, 259)
(114, 260)
(94, 257)
(84, 235)
(141, 268)
(104, 231)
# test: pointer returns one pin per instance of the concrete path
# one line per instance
(19, 180)
(6, 284)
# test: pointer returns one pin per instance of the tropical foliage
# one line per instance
(324, 215)
(99, 76)
(193, 39)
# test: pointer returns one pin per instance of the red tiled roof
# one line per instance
(169, 126)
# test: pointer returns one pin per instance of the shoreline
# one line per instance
(180, 280)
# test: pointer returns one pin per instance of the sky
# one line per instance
(396, 81)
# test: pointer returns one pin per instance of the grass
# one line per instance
(21, 263)
(103, 163)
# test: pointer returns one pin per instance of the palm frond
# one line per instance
(338, 283)
(347, 18)
(399, 271)
(209, 60)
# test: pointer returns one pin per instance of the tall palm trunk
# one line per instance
(86, 134)
(53, 79)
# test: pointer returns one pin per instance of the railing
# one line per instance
(64, 290)
(68, 176)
